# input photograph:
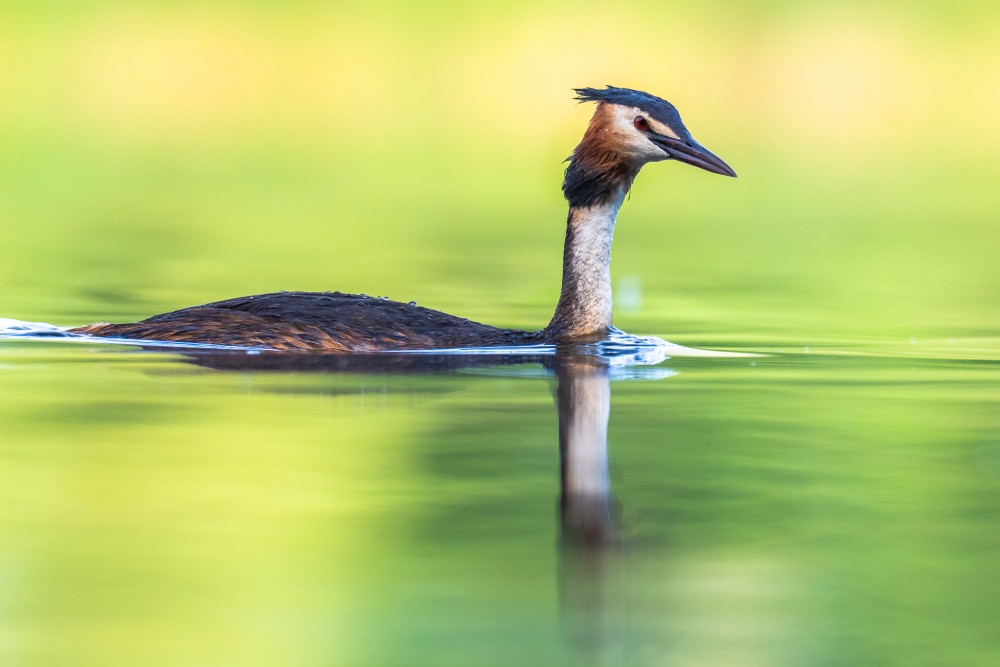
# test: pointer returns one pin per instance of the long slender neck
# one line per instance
(584, 307)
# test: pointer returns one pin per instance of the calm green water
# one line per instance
(790, 509)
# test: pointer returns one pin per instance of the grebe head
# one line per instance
(643, 128)
(629, 129)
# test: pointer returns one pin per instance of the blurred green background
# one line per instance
(159, 154)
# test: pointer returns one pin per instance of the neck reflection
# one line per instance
(583, 400)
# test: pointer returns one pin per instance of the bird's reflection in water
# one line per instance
(583, 399)
(591, 589)
(590, 556)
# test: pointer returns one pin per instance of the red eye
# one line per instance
(641, 124)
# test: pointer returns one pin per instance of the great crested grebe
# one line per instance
(628, 129)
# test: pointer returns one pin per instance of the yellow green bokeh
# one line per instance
(159, 154)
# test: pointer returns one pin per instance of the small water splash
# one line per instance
(650, 349)
(11, 328)
(619, 351)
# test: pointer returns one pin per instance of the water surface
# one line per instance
(213, 508)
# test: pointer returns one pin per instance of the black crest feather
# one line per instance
(654, 106)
